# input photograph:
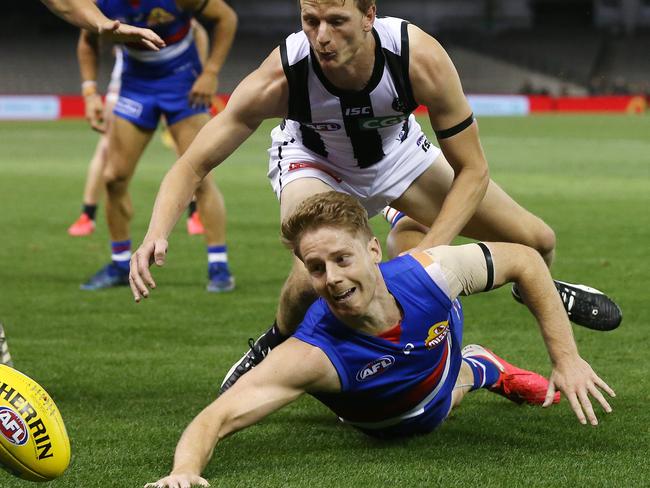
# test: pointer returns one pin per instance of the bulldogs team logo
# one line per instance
(159, 16)
(437, 334)
(375, 368)
(12, 427)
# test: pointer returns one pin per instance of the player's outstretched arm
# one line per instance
(85, 14)
(468, 271)
(437, 86)
(261, 95)
(291, 369)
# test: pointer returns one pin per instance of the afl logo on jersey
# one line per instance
(375, 368)
(323, 126)
(437, 334)
(13, 427)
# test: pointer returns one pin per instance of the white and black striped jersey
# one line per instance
(351, 127)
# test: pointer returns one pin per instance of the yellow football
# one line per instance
(34, 444)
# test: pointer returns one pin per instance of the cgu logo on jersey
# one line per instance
(437, 334)
(323, 126)
(13, 427)
(375, 368)
(159, 16)
(374, 123)
(353, 111)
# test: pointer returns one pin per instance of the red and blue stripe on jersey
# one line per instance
(405, 371)
(162, 16)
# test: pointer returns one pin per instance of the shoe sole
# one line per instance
(230, 287)
(232, 370)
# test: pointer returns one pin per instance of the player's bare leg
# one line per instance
(463, 385)
(500, 218)
(94, 186)
(126, 143)
(211, 207)
(297, 293)
(405, 234)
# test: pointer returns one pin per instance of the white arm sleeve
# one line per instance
(460, 270)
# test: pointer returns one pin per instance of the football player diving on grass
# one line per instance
(381, 346)
(346, 87)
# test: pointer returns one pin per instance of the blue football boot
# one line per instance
(220, 279)
(109, 276)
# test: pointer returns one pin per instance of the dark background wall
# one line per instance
(499, 46)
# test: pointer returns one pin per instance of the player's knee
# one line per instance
(545, 240)
(116, 182)
(406, 235)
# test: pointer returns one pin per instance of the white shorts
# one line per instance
(375, 187)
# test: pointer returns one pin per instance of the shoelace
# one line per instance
(256, 351)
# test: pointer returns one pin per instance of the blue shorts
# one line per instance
(143, 99)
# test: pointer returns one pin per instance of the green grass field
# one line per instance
(128, 378)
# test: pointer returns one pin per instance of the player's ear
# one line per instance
(374, 248)
(369, 18)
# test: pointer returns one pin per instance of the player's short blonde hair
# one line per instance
(329, 209)
(362, 5)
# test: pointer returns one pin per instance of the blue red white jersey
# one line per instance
(165, 19)
(405, 376)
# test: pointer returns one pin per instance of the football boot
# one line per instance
(83, 226)
(194, 225)
(585, 306)
(258, 350)
(516, 384)
(107, 277)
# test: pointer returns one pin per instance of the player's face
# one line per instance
(335, 31)
(343, 269)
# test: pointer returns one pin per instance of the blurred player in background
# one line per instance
(347, 86)
(172, 83)
(103, 114)
(86, 15)
(5, 355)
(381, 347)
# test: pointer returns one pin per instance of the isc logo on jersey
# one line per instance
(437, 334)
(375, 368)
(34, 444)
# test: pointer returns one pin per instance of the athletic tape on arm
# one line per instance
(460, 270)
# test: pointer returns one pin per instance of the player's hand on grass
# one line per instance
(94, 108)
(204, 89)
(140, 278)
(577, 381)
(178, 481)
(118, 32)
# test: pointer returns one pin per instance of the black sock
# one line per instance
(191, 208)
(89, 210)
